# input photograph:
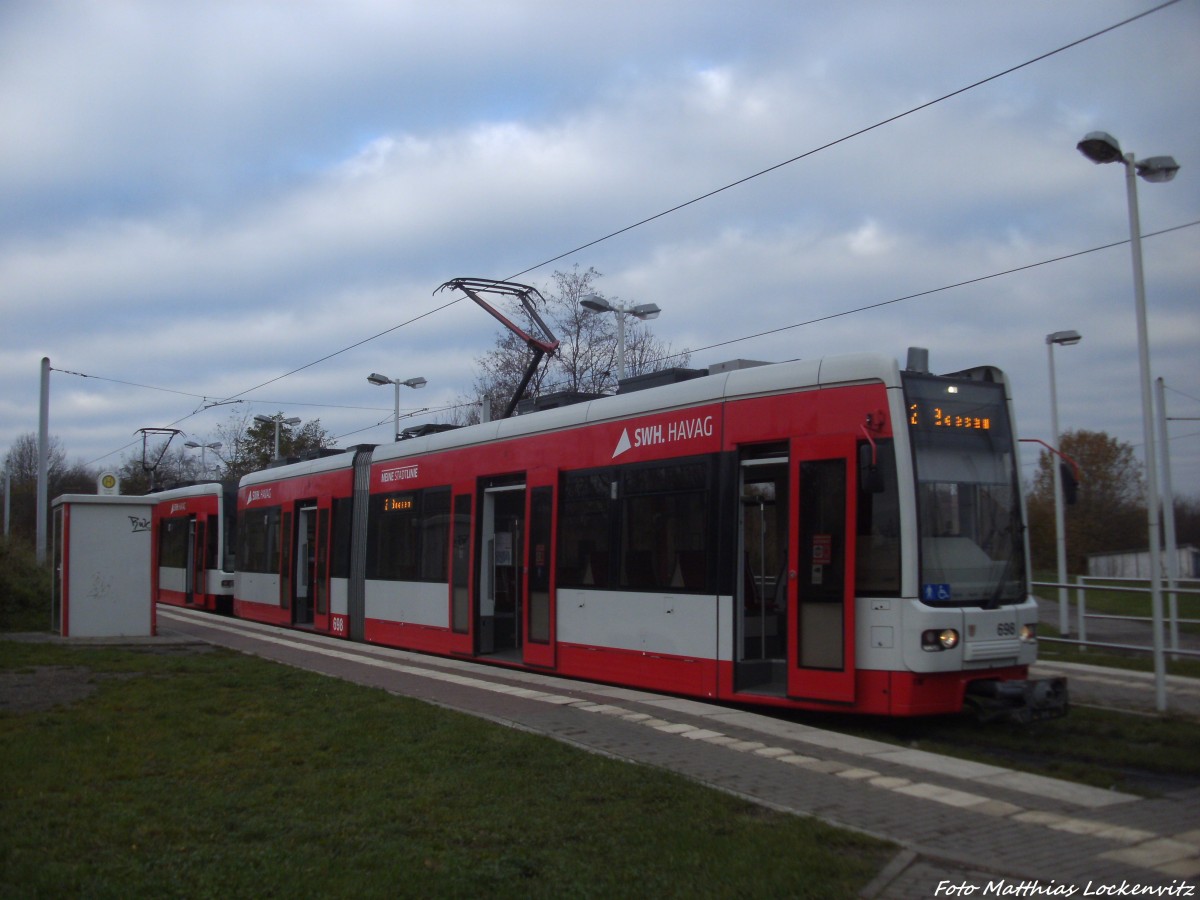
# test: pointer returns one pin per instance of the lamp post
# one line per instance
(1100, 147)
(277, 419)
(418, 382)
(643, 311)
(214, 446)
(1063, 339)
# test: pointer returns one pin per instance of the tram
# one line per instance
(193, 545)
(834, 534)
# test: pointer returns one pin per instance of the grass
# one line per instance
(217, 774)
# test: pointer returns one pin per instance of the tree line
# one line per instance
(1109, 510)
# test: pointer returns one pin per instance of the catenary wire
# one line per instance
(705, 196)
(678, 207)
(864, 308)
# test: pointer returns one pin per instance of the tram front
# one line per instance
(976, 614)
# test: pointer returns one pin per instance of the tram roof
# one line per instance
(773, 378)
(756, 381)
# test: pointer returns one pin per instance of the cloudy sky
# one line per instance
(199, 198)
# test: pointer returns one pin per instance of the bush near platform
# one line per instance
(24, 588)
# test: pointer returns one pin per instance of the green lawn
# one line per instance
(205, 774)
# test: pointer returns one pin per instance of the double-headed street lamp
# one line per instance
(1063, 339)
(643, 311)
(1100, 147)
(376, 378)
(277, 419)
(214, 446)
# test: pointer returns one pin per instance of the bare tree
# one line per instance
(21, 463)
(249, 445)
(586, 361)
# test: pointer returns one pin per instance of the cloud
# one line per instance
(194, 207)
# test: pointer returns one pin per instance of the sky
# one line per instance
(197, 199)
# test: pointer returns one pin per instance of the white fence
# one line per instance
(1136, 563)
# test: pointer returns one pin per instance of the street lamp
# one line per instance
(1063, 339)
(1100, 147)
(376, 378)
(276, 419)
(214, 446)
(643, 311)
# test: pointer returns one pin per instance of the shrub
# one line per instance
(24, 588)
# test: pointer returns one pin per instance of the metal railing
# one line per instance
(1170, 619)
(1084, 583)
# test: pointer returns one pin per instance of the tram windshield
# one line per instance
(968, 503)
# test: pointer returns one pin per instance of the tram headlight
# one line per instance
(1029, 632)
(939, 639)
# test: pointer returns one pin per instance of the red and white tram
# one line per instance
(193, 543)
(831, 534)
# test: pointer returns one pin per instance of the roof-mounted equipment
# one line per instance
(473, 287)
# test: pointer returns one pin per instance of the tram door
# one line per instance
(821, 641)
(304, 559)
(501, 582)
(762, 607)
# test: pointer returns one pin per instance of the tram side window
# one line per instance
(435, 535)
(409, 534)
(664, 527)
(339, 561)
(877, 566)
(640, 528)
(172, 543)
(258, 536)
(585, 529)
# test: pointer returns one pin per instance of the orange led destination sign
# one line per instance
(933, 417)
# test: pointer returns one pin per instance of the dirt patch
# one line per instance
(45, 687)
(40, 688)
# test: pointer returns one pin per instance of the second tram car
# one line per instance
(833, 534)
(193, 546)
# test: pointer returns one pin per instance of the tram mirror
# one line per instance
(1070, 485)
(870, 479)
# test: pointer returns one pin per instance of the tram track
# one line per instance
(1113, 748)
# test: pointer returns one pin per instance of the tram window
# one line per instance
(435, 534)
(408, 535)
(663, 541)
(664, 526)
(258, 534)
(877, 563)
(645, 527)
(339, 562)
(584, 530)
(172, 543)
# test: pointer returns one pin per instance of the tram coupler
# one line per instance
(1021, 701)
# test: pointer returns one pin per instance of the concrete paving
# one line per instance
(963, 828)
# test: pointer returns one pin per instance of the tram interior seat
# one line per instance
(595, 568)
(689, 571)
